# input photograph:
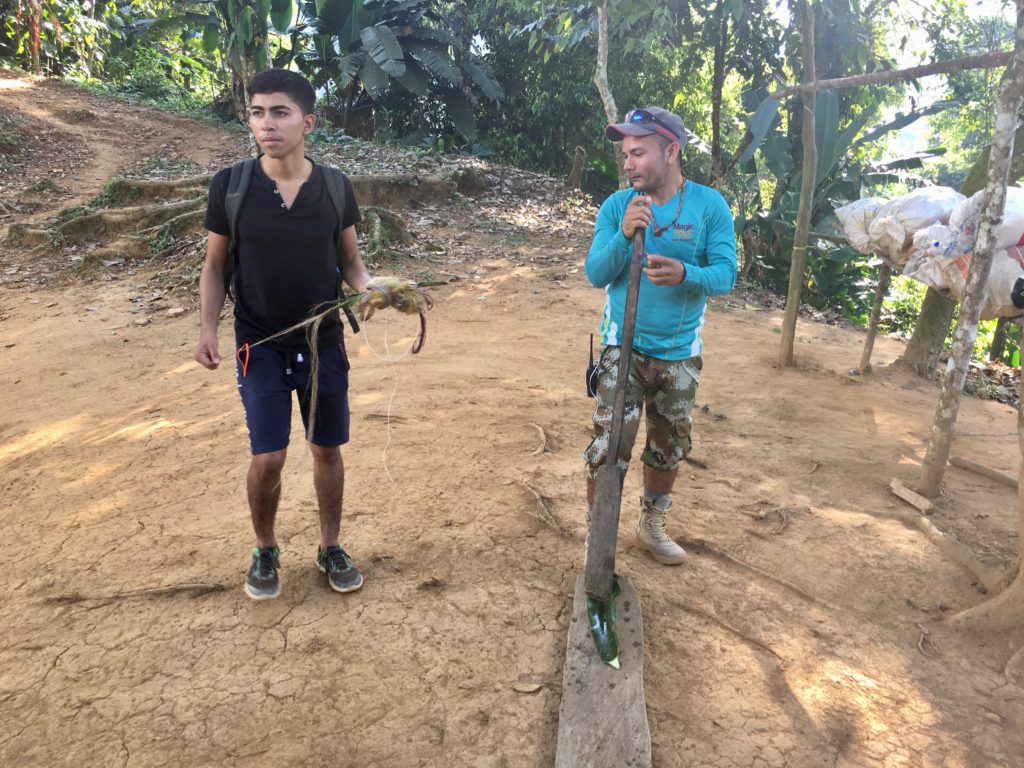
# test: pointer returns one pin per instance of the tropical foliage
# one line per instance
(515, 80)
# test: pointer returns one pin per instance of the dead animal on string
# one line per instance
(404, 296)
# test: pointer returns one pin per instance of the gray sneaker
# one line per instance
(262, 582)
(342, 574)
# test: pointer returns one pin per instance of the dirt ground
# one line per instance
(805, 630)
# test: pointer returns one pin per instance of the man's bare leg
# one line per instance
(263, 485)
(329, 480)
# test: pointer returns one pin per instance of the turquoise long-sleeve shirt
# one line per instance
(669, 318)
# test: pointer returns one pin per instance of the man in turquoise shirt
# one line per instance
(690, 254)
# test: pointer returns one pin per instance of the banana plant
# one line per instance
(362, 50)
(836, 272)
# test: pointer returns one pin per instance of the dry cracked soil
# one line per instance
(806, 630)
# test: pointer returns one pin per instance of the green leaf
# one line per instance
(479, 74)
(414, 80)
(902, 120)
(282, 13)
(260, 55)
(245, 26)
(737, 9)
(374, 79)
(336, 16)
(761, 121)
(775, 149)
(384, 49)
(461, 113)
(349, 66)
(211, 37)
(262, 11)
(436, 63)
(826, 131)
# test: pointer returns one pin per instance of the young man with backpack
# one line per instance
(281, 229)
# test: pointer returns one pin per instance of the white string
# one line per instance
(382, 358)
(386, 359)
(384, 453)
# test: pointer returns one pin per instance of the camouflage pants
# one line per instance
(665, 390)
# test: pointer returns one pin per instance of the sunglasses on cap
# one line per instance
(641, 116)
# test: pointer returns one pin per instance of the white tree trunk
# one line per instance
(611, 112)
(1011, 92)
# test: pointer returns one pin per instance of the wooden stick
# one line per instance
(981, 469)
(984, 61)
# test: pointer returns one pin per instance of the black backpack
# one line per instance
(238, 186)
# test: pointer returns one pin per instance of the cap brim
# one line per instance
(615, 131)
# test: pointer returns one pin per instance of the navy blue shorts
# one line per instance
(266, 385)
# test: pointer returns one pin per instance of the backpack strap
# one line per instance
(238, 186)
(334, 181)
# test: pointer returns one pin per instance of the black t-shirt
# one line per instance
(287, 257)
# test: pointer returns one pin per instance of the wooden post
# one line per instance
(576, 174)
(599, 566)
(798, 262)
(884, 274)
(1011, 92)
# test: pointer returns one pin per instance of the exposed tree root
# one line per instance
(119, 219)
(726, 626)
(701, 544)
(195, 590)
(543, 447)
(990, 578)
(133, 217)
(546, 516)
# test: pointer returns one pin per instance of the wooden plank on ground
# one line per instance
(911, 497)
(602, 721)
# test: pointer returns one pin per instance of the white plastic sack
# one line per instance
(925, 269)
(966, 217)
(938, 240)
(928, 247)
(895, 223)
(855, 219)
(1007, 264)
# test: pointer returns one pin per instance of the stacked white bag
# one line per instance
(929, 247)
(894, 224)
(930, 236)
(1007, 260)
(855, 219)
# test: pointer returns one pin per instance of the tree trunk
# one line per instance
(1005, 610)
(995, 352)
(884, 274)
(922, 353)
(35, 34)
(717, 84)
(576, 174)
(809, 171)
(1011, 93)
(611, 112)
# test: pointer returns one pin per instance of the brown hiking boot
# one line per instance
(651, 535)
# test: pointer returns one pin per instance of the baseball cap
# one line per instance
(647, 121)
